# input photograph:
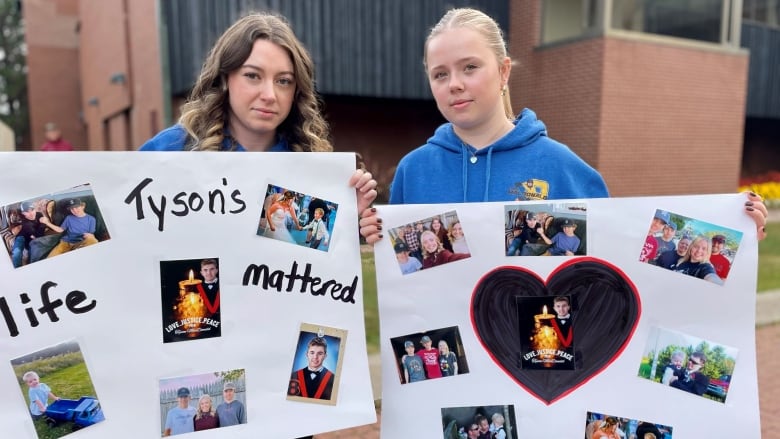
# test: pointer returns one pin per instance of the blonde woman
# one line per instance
(696, 261)
(448, 361)
(607, 429)
(434, 252)
(206, 416)
(457, 239)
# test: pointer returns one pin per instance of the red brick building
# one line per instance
(655, 114)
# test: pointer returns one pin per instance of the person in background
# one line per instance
(54, 140)
(179, 419)
(39, 394)
(666, 240)
(720, 262)
(205, 417)
(692, 379)
(407, 263)
(669, 258)
(31, 227)
(430, 358)
(696, 261)
(412, 364)
(230, 411)
(448, 361)
(674, 368)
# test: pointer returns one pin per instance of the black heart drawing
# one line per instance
(606, 310)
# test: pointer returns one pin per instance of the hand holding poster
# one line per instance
(141, 298)
(582, 318)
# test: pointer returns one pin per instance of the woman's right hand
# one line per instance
(370, 225)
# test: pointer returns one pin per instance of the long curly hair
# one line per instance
(206, 113)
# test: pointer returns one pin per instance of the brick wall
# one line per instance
(654, 118)
(53, 69)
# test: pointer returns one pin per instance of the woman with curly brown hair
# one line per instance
(256, 92)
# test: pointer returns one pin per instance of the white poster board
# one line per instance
(160, 215)
(628, 317)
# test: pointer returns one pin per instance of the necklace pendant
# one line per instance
(473, 159)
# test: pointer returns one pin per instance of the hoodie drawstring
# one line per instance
(465, 154)
(487, 174)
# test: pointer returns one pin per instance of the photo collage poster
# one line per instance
(141, 298)
(570, 317)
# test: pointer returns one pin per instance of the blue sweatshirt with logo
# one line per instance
(523, 165)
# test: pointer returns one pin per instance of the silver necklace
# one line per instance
(473, 159)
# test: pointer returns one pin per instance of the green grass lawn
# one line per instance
(369, 302)
(769, 259)
(69, 383)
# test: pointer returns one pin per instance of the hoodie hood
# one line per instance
(526, 131)
(525, 164)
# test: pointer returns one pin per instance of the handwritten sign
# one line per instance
(669, 343)
(112, 251)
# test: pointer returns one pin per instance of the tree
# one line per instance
(13, 70)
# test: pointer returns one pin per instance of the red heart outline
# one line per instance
(590, 273)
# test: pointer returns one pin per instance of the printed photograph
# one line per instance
(428, 355)
(52, 224)
(429, 242)
(601, 426)
(546, 332)
(316, 368)
(478, 422)
(202, 402)
(297, 218)
(58, 390)
(691, 364)
(189, 291)
(690, 246)
(553, 229)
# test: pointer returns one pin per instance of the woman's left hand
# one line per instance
(365, 187)
(756, 209)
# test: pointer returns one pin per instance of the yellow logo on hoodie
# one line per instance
(531, 189)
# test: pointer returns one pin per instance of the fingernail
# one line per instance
(749, 203)
(373, 209)
(763, 229)
(379, 220)
(750, 209)
(753, 194)
(379, 227)
(381, 235)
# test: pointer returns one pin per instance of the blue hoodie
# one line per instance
(525, 164)
(173, 139)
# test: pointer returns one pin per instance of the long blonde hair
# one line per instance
(206, 112)
(481, 23)
(199, 413)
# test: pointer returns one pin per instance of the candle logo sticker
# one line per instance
(50, 225)
(547, 337)
(190, 299)
(604, 306)
(297, 218)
